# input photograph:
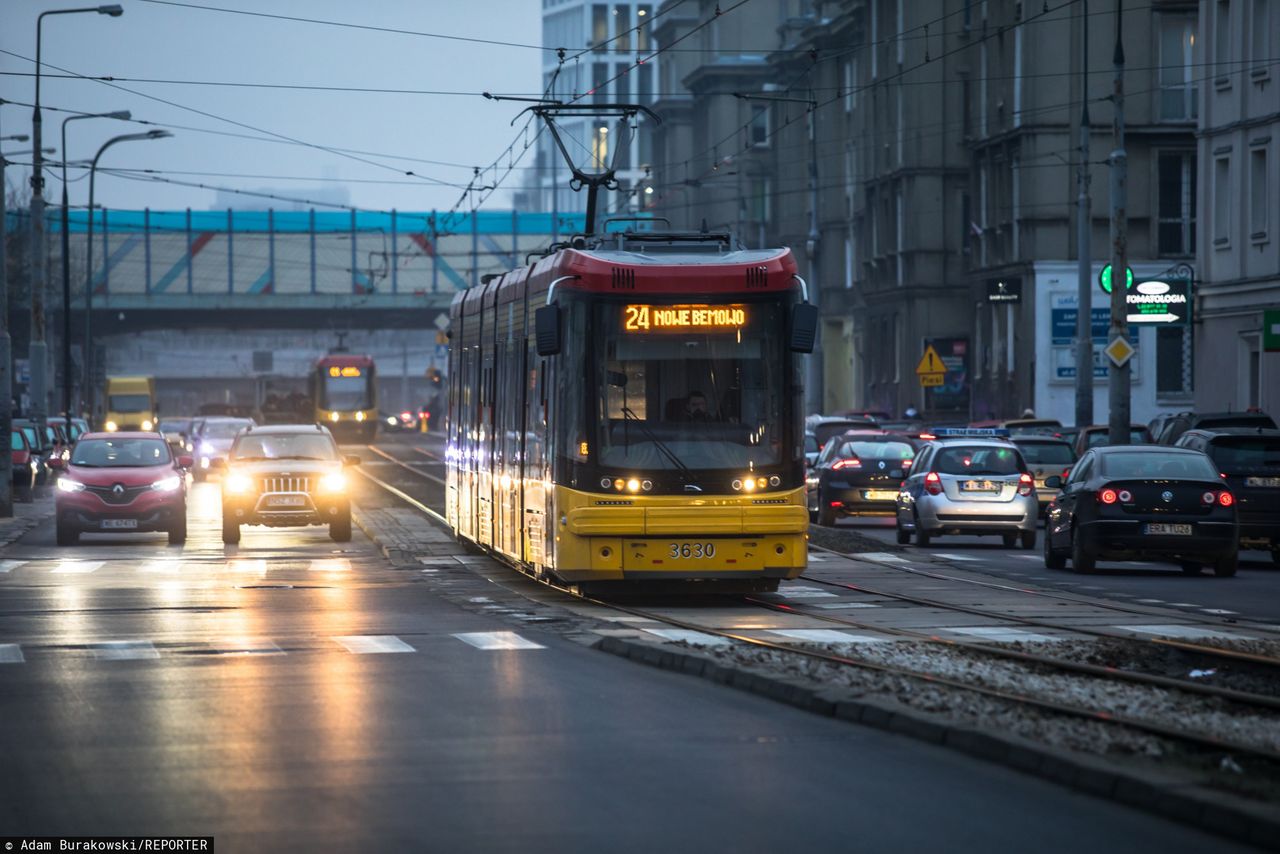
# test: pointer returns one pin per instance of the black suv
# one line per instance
(1166, 429)
(1249, 460)
(284, 475)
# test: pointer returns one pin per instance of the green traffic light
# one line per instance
(1104, 279)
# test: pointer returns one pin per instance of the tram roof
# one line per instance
(664, 256)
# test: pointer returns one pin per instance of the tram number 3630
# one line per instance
(693, 550)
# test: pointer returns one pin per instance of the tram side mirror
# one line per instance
(546, 323)
(617, 379)
(804, 328)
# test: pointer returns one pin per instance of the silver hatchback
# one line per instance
(969, 486)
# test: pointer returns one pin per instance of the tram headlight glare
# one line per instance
(761, 483)
(618, 484)
(333, 416)
(112, 426)
(633, 485)
(749, 484)
(360, 416)
(147, 425)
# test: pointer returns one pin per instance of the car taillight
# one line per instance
(1226, 499)
(854, 463)
(1066, 473)
(1125, 496)
(906, 464)
(933, 483)
(1025, 484)
(1108, 496)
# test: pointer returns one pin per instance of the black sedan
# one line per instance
(1143, 502)
(858, 474)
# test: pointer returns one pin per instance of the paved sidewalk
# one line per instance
(404, 535)
(25, 517)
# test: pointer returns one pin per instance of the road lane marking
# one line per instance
(77, 567)
(955, 557)
(164, 564)
(1151, 601)
(881, 556)
(690, 636)
(124, 650)
(800, 592)
(825, 636)
(832, 606)
(256, 566)
(8, 565)
(247, 646)
(1218, 611)
(1183, 605)
(330, 564)
(373, 644)
(999, 633)
(1182, 632)
(497, 640)
(11, 653)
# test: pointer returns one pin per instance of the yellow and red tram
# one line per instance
(344, 391)
(630, 410)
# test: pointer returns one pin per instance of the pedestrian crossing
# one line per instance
(144, 649)
(16, 571)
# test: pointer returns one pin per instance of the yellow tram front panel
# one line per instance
(615, 537)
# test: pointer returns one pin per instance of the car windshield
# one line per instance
(1047, 453)
(223, 429)
(120, 453)
(811, 444)
(1246, 453)
(1158, 465)
(30, 433)
(871, 451)
(346, 391)
(1099, 438)
(980, 459)
(174, 426)
(285, 446)
(129, 403)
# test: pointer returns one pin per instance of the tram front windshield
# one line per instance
(345, 393)
(704, 391)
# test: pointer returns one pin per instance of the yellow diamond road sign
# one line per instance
(930, 362)
(1119, 351)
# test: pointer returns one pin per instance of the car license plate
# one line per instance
(287, 501)
(1268, 482)
(691, 551)
(880, 494)
(979, 486)
(119, 524)
(1160, 528)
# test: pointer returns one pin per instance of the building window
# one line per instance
(1258, 195)
(1178, 89)
(600, 82)
(644, 83)
(1222, 40)
(622, 27)
(599, 27)
(848, 87)
(600, 147)
(1222, 202)
(644, 14)
(758, 129)
(1173, 360)
(1176, 203)
(760, 200)
(1260, 33)
(848, 259)
(621, 83)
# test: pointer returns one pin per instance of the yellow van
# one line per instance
(131, 404)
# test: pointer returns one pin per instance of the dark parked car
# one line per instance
(858, 474)
(25, 466)
(1098, 435)
(41, 447)
(1143, 502)
(1045, 456)
(1166, 431)
(1249, 461)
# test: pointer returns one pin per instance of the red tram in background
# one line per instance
(344, 393)
(629, 408)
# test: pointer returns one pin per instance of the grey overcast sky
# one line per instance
(168, 42)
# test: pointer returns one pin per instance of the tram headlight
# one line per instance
(761, 483)
(112, 426)
(147, 425)
(618, 484)
(333, 416)
(633, 485)
(360, 416)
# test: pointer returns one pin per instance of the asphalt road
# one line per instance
(295, 694)
(1253, 594)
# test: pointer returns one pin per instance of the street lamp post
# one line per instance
(67, 410)
(88, 269)
(37, 353)
(6, 378)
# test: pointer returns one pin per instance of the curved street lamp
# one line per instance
(88, 271)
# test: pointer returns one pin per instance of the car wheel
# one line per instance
(826, 517)
(1053, 559)
(178, 532)
(904, 537)
(1226, 567)
(230, 531)
(1081, 560)
(67, 535)
(340, 530)
(1028, 540)
(1190, 567)
(1010, 540)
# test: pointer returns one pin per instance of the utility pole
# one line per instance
(1119, 328)
(6, 377)
(1084, 227)
(37, 350)
(813, 380)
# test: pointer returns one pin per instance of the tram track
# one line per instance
(1158, 729)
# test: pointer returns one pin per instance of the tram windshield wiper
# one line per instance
(685, 472)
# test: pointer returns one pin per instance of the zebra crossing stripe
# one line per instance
(497, 640)
(372, 644)
(11, 653)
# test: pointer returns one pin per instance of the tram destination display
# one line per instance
(683, 318)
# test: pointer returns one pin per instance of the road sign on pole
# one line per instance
(931, 369)
(1119, 351)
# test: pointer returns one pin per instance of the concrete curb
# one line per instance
(1164, 795)
(16, 527)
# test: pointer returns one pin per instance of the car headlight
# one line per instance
(359, 416)
(391, 419)
(66, 484)
(237, 484)
(66, 454)
(204, 462)
(333, 482)
(147, 425)
(168, 484)
(111, 426)
(333, 416)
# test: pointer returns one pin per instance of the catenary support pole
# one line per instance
(1119, 328)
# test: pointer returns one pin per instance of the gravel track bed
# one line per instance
(1257, 779)
(848, 540)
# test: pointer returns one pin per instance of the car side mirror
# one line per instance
(56, 463)
(350, 460)
(1054, 482)
(546, 322)
(217, 463)
(186, 461)
(804, 328)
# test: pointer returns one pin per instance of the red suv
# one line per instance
(122, 483)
